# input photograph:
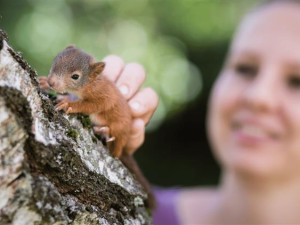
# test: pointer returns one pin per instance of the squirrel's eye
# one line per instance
(75, 76)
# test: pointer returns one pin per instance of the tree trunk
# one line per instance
(53, 170)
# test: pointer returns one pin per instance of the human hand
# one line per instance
(129, 78)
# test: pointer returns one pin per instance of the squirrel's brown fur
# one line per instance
(74, 71)
(98, 96)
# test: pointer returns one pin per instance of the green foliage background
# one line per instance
(181, 44)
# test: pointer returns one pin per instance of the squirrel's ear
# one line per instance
(98, 67)
(70, 46)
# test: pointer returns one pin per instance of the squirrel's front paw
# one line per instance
(44, 83)
(64, 105)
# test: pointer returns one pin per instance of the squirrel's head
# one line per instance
(72, 69)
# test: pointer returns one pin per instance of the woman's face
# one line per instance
(254, 116)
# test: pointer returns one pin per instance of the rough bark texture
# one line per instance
(52, 168)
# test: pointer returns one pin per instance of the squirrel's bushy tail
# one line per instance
(117, 149)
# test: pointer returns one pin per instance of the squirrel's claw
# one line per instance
(63, 98)
(110, 139)
(64, 106)
(69, 110)
(103, 132)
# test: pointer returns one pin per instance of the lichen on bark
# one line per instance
(48, 176)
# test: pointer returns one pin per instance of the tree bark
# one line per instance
(53, 170)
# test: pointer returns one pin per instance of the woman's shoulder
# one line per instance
(197, 205)
(166, 209)
(182, 205)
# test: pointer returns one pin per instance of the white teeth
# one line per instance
(253, 131)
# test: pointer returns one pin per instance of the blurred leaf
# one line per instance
(154, 33)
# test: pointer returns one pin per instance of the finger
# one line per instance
(136, 137)
(113, 67)
(131, 79)
(143, 104)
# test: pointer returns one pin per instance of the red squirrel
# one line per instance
(75, 71)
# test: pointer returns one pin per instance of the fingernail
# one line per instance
(124, 89)
(135, 106)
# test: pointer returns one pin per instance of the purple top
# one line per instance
(165, 213)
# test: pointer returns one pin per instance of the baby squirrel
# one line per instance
(74, 71)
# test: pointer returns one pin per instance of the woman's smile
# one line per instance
(250, 131)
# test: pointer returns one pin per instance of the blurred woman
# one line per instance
(253, 125)
(254, 129)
